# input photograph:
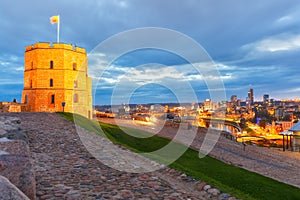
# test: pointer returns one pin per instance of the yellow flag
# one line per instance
(54, 19)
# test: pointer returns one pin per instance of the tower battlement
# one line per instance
(49, 45)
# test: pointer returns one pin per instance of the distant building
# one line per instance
(12, 107)
(243, 103)
(285, 125)
(296, 137)
(279, 112)
(208, 104)
(250, 99)
(233, 99)
(266, 99)
(215, 105)
(271, 102)
(251, 96)
(56, 76)
(157, 108)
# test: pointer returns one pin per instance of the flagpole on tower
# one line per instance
(55, 20)
(58, 25)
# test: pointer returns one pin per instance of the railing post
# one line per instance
(283, 145)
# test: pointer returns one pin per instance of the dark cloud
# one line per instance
(233, 32)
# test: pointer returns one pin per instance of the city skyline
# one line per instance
(253, 45)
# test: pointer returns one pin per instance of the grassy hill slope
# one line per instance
(228, 178)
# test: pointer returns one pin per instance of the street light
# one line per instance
(63, 105)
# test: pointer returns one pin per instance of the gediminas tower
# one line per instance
(56, 75)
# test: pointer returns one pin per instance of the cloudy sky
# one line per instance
(251, 44)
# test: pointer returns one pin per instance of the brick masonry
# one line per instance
(59, 70)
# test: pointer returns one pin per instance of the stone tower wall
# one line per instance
(59, 70)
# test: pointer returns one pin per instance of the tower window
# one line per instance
(52, 99)
(51, 82)
(51, 64)
(75, 84)
(30, 83)
(26, 98)
(75, 98)
(74, 66)
(31, 64)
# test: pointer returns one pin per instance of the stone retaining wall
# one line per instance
(10, 191)
(15, 161)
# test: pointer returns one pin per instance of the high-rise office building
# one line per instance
(266, 99)
(233, 99)
(250, 97)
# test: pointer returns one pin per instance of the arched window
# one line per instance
(75, 98)
(52, 100)
(51, 64)
(26, 98)
(51, 82)
(74, 66)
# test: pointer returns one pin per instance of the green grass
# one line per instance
(228, 178)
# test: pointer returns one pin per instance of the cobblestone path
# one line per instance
(64, 169)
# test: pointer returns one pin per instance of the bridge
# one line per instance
(222, 124)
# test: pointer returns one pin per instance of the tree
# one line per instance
(262, 123)
(286, 118)
(242, 123)
(265, 115)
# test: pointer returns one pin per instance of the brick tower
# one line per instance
(56, 74)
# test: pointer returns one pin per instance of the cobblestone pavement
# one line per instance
(64, 169)
(274, 163)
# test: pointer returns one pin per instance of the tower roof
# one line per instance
(296, 127)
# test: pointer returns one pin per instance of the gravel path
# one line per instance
(274, 163)
(64, 169)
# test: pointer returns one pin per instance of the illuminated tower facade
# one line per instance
(55, 79)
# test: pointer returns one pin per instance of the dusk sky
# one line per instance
(252, 43)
